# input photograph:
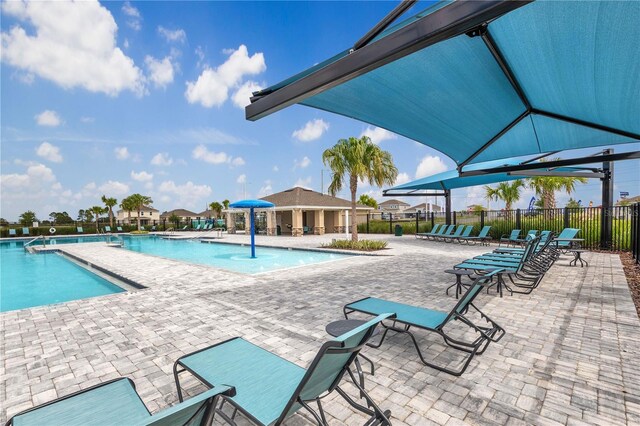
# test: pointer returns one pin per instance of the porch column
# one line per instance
(247, 222)
(318, 221)
(231, 224)
(296, 225)
(339, 226)
(271, 222)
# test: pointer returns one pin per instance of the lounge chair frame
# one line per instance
(493, 333)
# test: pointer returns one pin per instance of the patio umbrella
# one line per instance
(252, 204)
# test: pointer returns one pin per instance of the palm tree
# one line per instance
(97, 211)
(139, 201)
(367, 200)
(546, 187)
(509, 192)
(226, 203)
(127, 205)
(216, 207)
(174, 218)
(109, 202)
(360, 159)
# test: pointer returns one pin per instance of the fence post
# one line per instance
(454, 218)
(518, 219)
(566, 217)
(391, 223)
(417, 221)
(481, 219)
(367, 223)
(635, 232)
(433, 219)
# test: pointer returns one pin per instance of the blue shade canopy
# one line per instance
(543, 77)
(251, 204)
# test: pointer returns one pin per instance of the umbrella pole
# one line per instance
(253, 235)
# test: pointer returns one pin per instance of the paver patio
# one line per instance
(571, 354)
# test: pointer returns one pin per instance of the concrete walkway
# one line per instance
(571, 354)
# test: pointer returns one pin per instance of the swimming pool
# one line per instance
(28, 280)
(229, 256)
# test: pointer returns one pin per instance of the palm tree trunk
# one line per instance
(138, 219)
(353, 184)
(110, 217)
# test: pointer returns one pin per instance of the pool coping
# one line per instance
(315, 249)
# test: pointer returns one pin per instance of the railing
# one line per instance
(590, 220)
(118, 238)
(28, 243)
(635, 232)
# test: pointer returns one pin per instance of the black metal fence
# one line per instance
(614, 229)
(635, 232)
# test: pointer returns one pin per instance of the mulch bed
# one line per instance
(632, 271)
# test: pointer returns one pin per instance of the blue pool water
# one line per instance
(229, 256)
(28, 280)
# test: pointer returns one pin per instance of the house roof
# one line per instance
(298, 196)
(423, 207)
(144, 209)
(180, 212)
(393, 201)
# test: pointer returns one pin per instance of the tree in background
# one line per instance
(572, 204)
(216, 207)
(3, 221)
(139, 202)
(27, 218)
(358, 159)
(109, 202)
(546, 186)
(366, 200)
(97, 211)
(175, 219)
(509, 192)
(226, 203)
(127, 205)
(60, 218)
(476, 208)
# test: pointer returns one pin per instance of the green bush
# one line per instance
(362, 245)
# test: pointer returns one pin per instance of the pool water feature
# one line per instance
(231, 257)
(28, 280)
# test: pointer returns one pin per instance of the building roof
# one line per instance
(393, 202)
(298, 196)
(144, 209)
(179, 212)
(423, 207)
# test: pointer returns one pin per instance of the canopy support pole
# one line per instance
(447, 198)
(607, 202)
(253, 234)
(384, 23)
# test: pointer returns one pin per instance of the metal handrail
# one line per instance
(44, 241)
(117, 237)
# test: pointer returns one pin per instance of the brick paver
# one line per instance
(570, 355)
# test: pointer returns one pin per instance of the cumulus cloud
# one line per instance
(49, 152)
(266, 189)
(122, 153)
(177, 35)
(162, 159)
(402, 178)
(378, 134)
(303, 183)
(160, 71)
(141, 176)
(201, 152)
(276, 168)
(48, 118)
(188, 195)
(241, 98)
(241, 179)
(304, 163)
(87, 119)
(311, 131)
(114, 188)
(430, 165)
(134, 20)
(37, 176)
(72, 44)
(213, 85)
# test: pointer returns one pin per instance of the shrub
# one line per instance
(362, 245)
(136, 232)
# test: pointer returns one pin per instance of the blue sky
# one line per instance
(115, 98)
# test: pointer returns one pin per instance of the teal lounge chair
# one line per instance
(79, 230)
(466, 233)
(119, 228)
(25, 232)
(444, 230)
(12, 232)
(426, 234)
(107, 228)
(116, 402)
(448, 232)
(408, 316)
(511, 239)
(483, 237)
(270, 388)
(567, 234)
(455, 235)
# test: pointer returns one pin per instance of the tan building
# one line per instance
(148, 216)
(184, 215)
(300, 211)
(394, 207)
(422, 207)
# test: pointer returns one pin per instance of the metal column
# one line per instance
(447, 198)
(607, 203)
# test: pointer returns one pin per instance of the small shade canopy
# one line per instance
(452, 180)
(252, 204)
(480, 81)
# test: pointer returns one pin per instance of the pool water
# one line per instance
(232, 257)
(28, 280)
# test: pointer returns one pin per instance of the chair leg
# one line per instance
(377, 415)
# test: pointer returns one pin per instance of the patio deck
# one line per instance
(571, 354)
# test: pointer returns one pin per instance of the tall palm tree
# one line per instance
(139, 201)
(216, 207)
(109, 202)
(358, 159)
(127, 205)
(509, 192)
(226, 203)
(546, 187)
(97, 211)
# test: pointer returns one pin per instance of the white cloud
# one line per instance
(48, 118)
(241, 179)
(188, 195)
(36, 177)
(122, 153)
(304, 163)
(72, 44)
(213, 85)
(135, 18)
(172, 35)
(142, 176)
(241, 98)
(266, 189)
(49, 152)
(303, 183)
(87, 119)
(276, 168)
(114, 188)
(160, 71)
(201, 152)
(162, 159)
(402, 178)
(430, 165)
(378, 134)
(311, 131)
